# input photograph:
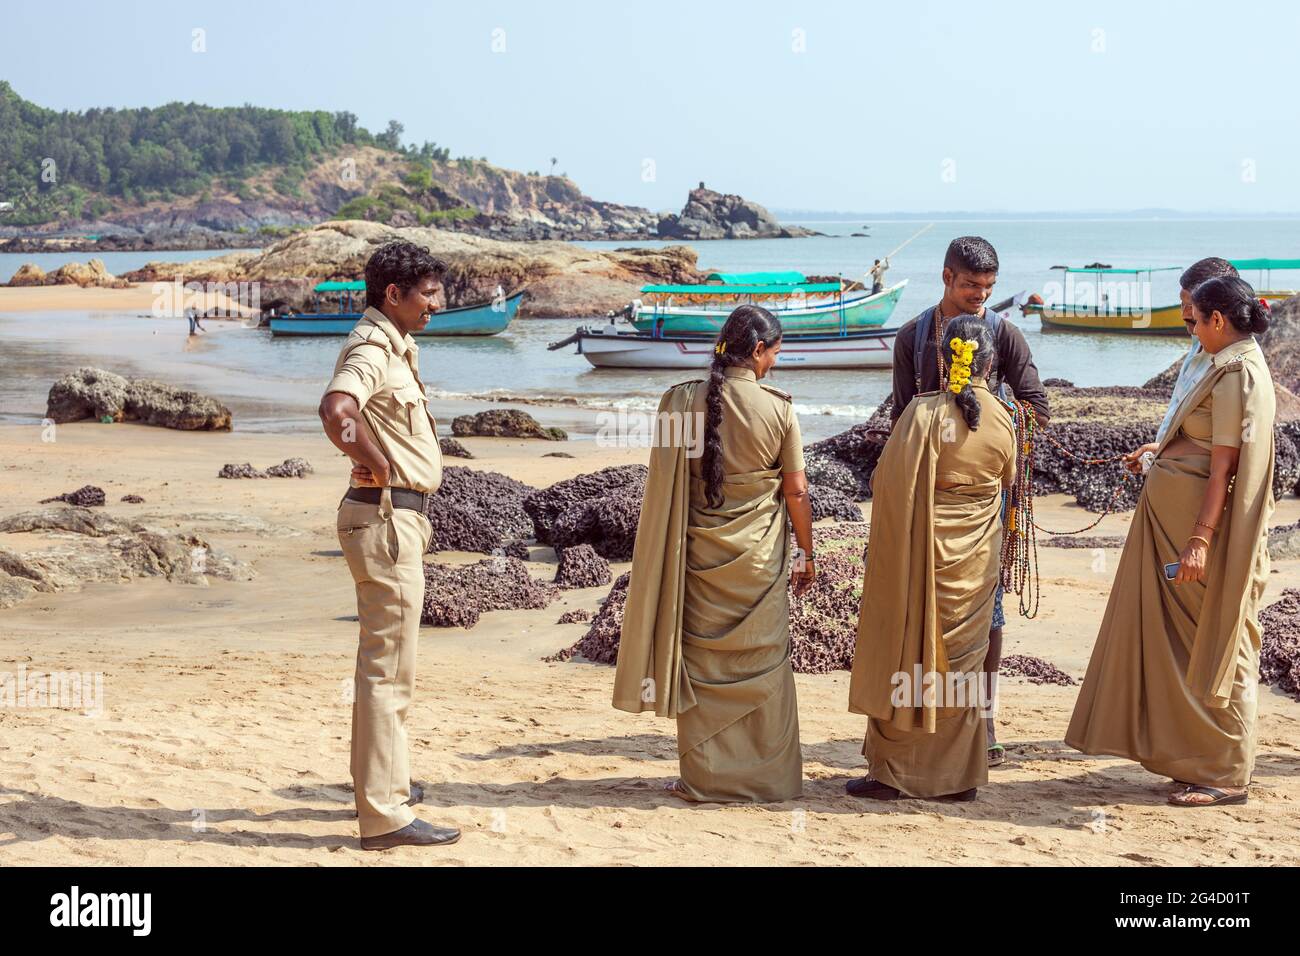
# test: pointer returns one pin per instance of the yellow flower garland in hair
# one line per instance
(963, 353)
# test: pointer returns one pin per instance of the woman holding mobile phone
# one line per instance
(1173, 675)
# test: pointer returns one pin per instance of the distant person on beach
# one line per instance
(193, 315)
(1196, 363)
(970, 270)
(375, 411)
(706, 627)
(933, 566)
(878, 275)
(1174, 676)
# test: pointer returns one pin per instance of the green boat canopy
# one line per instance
(788, 288)
(1266, 264)
(756, 278)
(340, 287)
(1127, 272)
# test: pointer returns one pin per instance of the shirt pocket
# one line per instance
(411, 405)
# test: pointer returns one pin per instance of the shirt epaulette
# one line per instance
(688, 382)
(776, 391)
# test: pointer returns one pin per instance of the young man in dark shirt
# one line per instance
(970, 270)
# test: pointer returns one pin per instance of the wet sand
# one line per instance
(225, 728)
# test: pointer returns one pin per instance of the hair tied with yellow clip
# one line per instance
(720, 348)
(963, 353)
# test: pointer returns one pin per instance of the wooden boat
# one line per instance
(1093, 310)
(803, 307)
(1264, 286)
(488, 318)
(610, 347)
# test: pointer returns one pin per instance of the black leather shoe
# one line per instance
(871, 789)
(417, 796)
(965, 796)
(415, 833)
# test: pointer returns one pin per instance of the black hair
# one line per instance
(402, 264)
(1205, 269)
(740, 334)
(1233, 297)
(974, 328)
(971, 254)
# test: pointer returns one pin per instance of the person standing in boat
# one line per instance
(1197, 361)
(970, 270)
(706, 628)
(878, 275)
(1173, 681)
(376, 412)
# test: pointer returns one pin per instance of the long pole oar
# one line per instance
(916, 235)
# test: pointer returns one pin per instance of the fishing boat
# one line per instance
(802, 307)
(1264, 267)
(611, 347)
(488, 318)
(1112, 307)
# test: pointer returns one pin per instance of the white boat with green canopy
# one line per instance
(803, 307)
(1263, 269)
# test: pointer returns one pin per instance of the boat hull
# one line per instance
(1163, 320)
(857, 312)
(484, 319)
(612, 349)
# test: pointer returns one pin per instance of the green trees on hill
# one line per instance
(58, 164)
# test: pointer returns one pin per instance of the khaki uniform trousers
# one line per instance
(384, 548)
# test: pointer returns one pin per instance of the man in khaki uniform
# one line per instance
(376, 412)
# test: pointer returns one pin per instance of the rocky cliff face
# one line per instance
(563, 280)
(713, 215)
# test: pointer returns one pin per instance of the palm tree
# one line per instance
(553, 162)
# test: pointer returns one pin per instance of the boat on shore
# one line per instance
(488, 318)
(803, 307)
(610, 347)
(1117, 307)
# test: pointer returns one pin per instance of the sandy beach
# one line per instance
(224, 732)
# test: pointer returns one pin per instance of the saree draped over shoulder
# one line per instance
(927, 596)
(706, 636)
(1173, 676)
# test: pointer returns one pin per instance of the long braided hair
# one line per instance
(740, 334)
(970, 328)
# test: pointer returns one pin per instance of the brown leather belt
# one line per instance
(402, 497)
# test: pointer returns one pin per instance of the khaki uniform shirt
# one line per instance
(759, 429)
(379, 367)
(1220, 417)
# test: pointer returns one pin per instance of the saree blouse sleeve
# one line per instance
(1227, 412)
(792, 445)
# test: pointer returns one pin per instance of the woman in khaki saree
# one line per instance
(706, 628)
(933, 564)
(1172, 679)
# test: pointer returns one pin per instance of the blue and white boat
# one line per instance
(488, 318)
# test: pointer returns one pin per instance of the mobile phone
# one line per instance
(1171, 570)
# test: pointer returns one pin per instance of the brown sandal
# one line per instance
(1218, 797)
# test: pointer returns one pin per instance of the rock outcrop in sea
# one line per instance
(94, 393)
(713, 215)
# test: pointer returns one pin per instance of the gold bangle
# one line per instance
(1207, 527)
(1197, 537)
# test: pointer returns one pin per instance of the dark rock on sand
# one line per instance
(453, 449)
(478, 511)
(582, 492)
(132, 499)
(1035, 670)
(581, 567)
(87, 496)
(832, 503)
(857, 450)
(291, 468)
(600, 644)
(245, 470)
(504, 423)
(1058, 383)
(578, 615)
(456, 596)
(557, 454)
(1279, 656)
(517, 549)
(94, 393)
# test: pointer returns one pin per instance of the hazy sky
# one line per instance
(909, 105)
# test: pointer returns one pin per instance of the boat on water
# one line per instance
(611, 347)
(1264, 287)
(1112, 306)
(488, 318)
(803, 307)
